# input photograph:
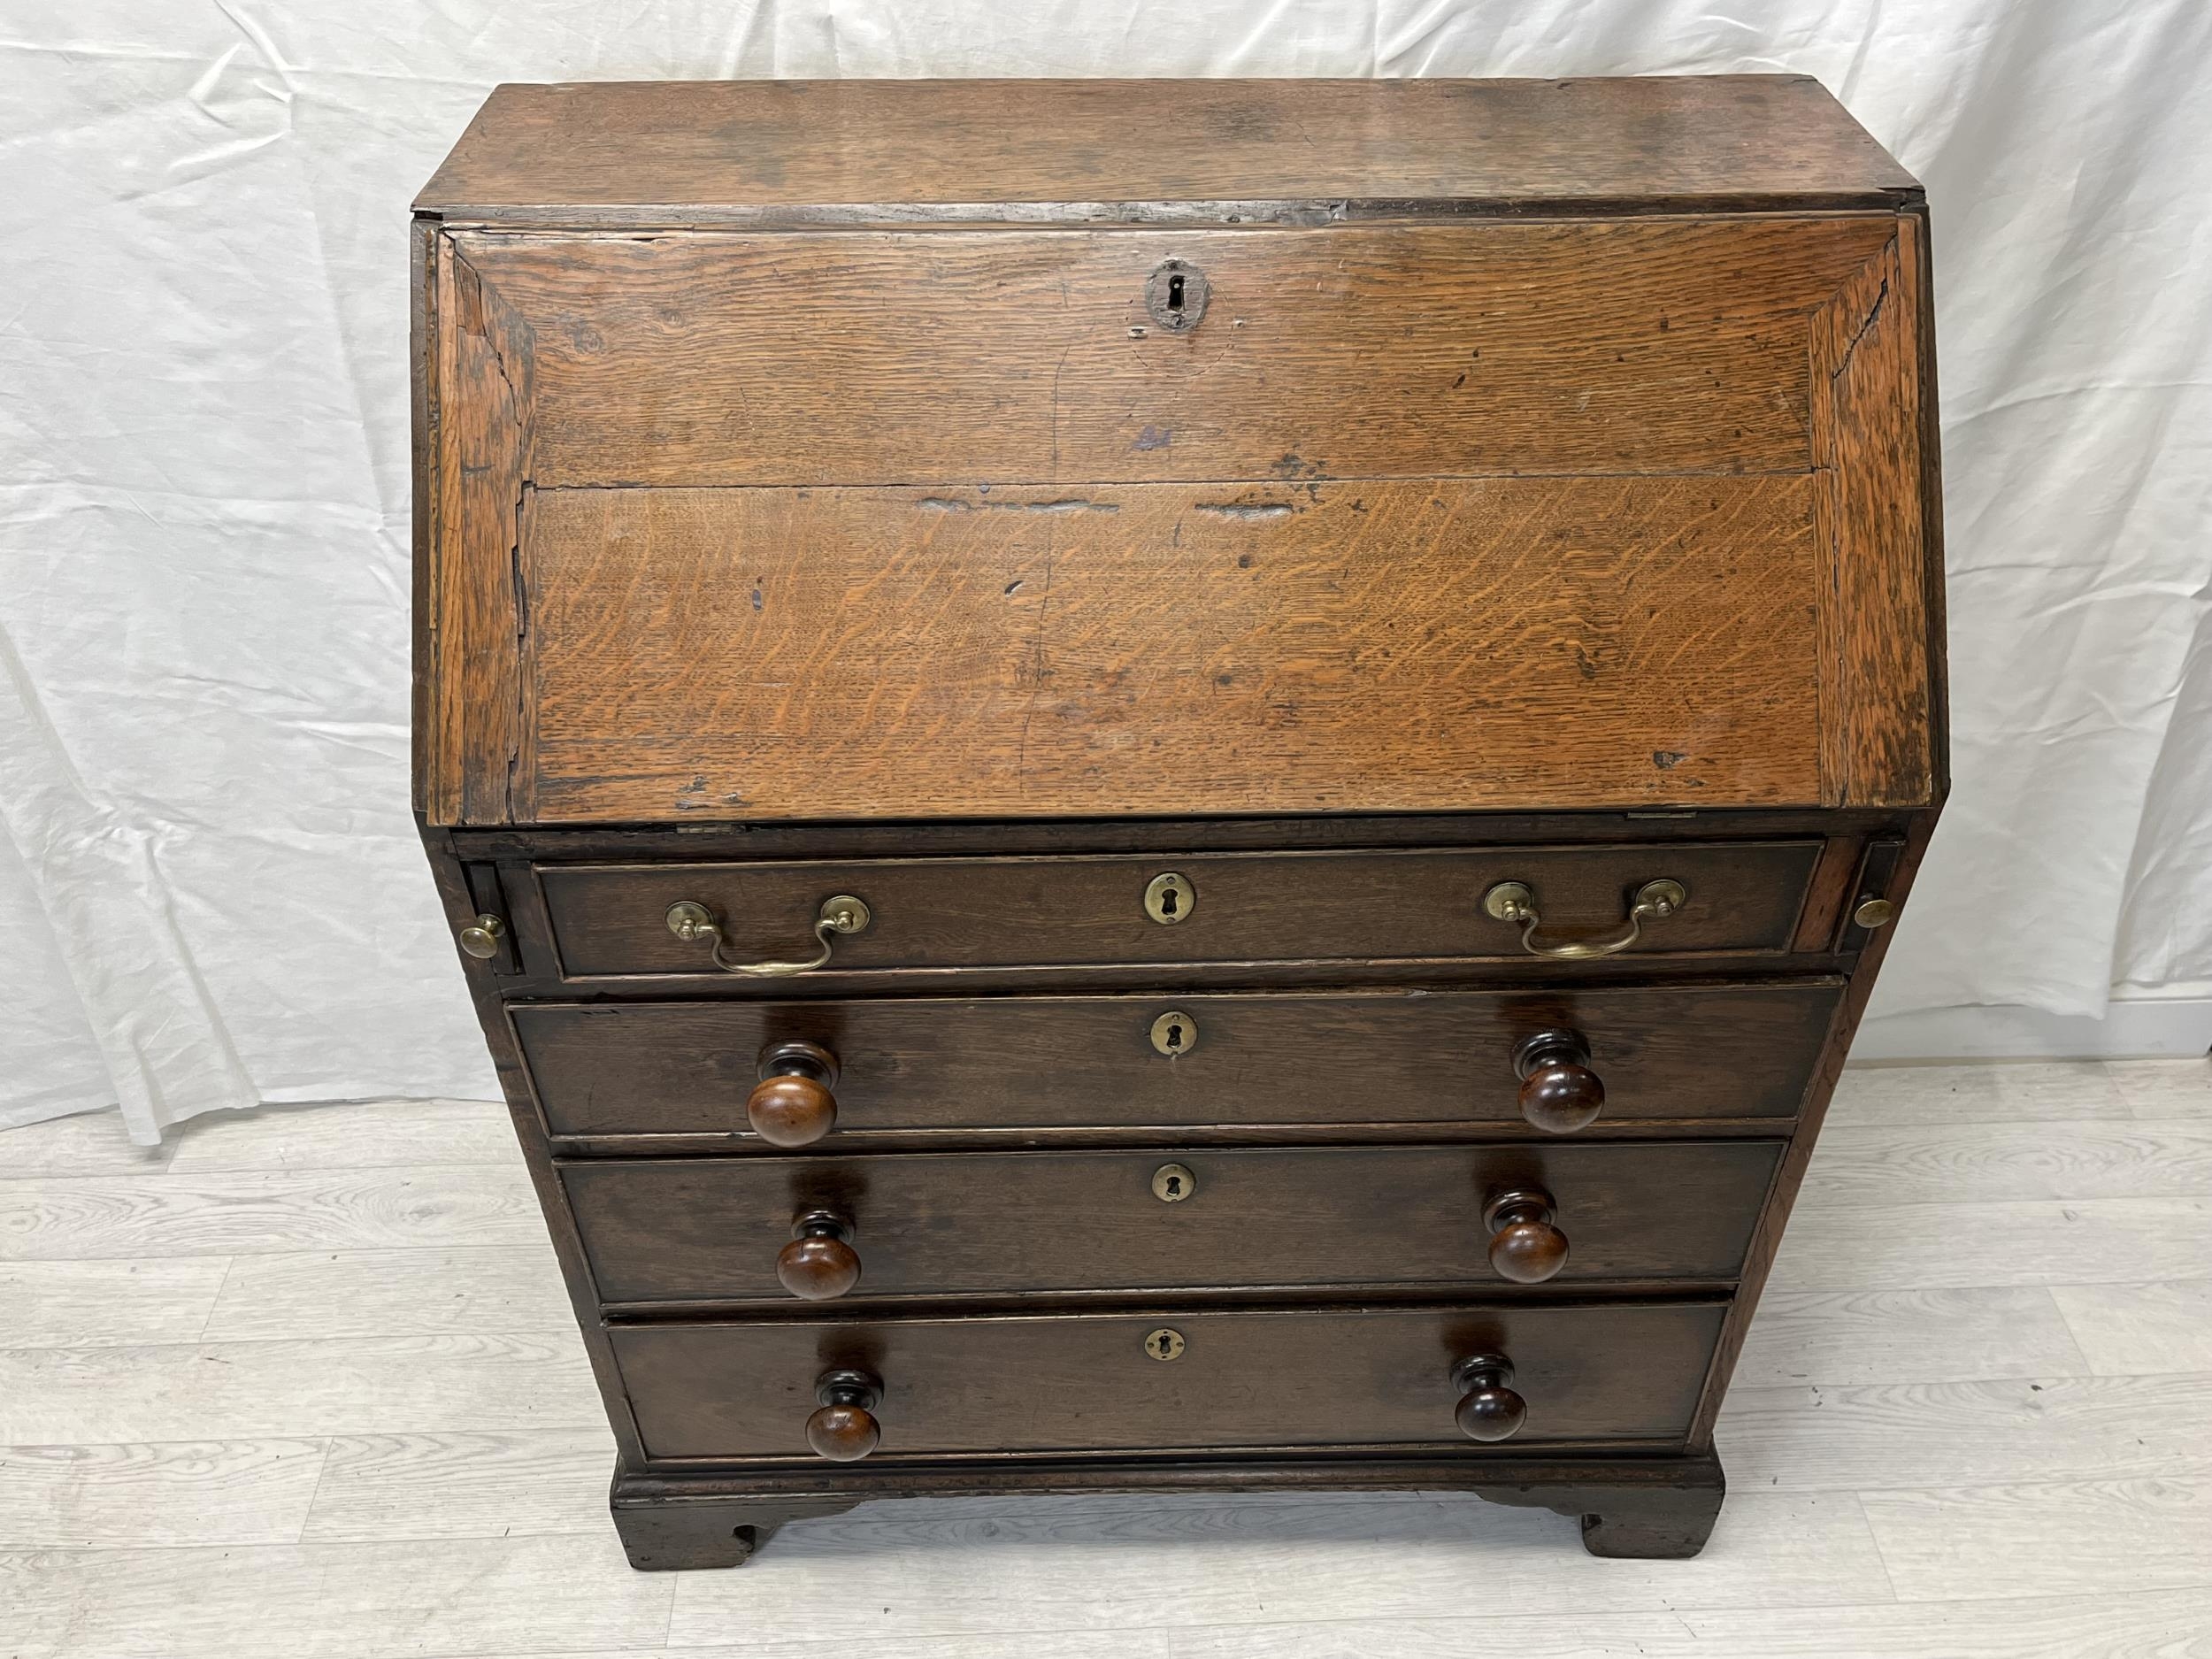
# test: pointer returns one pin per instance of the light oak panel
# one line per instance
(1166, 649)
(835, 150)
(1658, 345)
(1869, 429)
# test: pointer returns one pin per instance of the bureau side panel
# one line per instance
(1874, 493)
(1375, 645)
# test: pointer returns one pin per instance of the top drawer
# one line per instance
(1138, 909)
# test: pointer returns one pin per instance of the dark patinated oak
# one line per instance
(1178, 589)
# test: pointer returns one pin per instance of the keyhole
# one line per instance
(1159, 1346)
(1164, 1343)
(1169, 899)
(1175, 1034)
(1175, 293)
(1174, 1186)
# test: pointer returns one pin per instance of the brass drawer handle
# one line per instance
(691, 921)
(1514, 901)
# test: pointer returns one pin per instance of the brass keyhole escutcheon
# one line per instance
(1169, 898)
(1163, 1344)
(1174, 1034)
(1172, 1183)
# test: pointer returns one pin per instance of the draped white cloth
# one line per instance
(210, 890)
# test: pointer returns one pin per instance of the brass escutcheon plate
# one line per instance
(1169, 898)
(1163, 1344)
(1174, 1034)
(1172, 1183)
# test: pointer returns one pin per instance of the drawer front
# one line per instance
(1670, 345)
(966, 1223)
(1048, 912)
(946, 1065)
(1073, 1384)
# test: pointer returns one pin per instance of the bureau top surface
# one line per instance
(856, 152)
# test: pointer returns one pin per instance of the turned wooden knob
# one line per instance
(792, 1105)
(1488, 1409)
(819, 1263)
(1560, 1094)
(845, 1429)
(1525, 1247)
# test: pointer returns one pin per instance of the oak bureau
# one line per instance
(1171, 786)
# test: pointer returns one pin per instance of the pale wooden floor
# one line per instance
(304, 1386)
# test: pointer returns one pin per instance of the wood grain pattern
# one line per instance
(692, 358)
(65, 1220)
(469, 731)
(104, 1304)
(445, 1596)
(343, 1134)
(663, 152)
(1332, 1573)
(1877, 691)
(2048, 1241)
(1928, 1163)
(2131, 1329)
(968, 1223)
(176, 1493)
(965, 1066)
(1345, 908)
(1908, 1336)
(1864, 1437)
(1027, 652)
(510, 1290)
(2122, 1538)
(1085, 1382)
(212, 1391)
(510, 1482)
(2092, 1624)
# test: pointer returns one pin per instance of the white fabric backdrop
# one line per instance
(210, 889)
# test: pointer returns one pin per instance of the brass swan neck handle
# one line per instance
(693, 922)
(1514, 901)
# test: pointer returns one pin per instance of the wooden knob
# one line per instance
(792, 1105)
(1488, 1409)
(1560, 1094)
(819, 1263)
(1525, 1247)
(845, 1429)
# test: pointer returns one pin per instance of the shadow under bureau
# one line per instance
(1171, 816)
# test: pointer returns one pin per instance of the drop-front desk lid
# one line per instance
(908, 449)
